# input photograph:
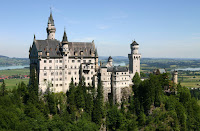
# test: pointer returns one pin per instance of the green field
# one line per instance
(12, 83)
(14, 72)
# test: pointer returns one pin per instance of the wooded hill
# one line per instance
(82, 108)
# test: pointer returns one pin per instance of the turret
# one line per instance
(175, 77)
(51, 28)
(134, 47)
(65, 43)
(134, 58)
(110, 60)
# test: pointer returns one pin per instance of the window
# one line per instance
(60, 61)
(50, 61)
(45, 61)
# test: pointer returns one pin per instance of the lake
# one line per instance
(12, 67)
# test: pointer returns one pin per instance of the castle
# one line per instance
(57, 62)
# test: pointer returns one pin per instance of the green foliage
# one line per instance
(3, 89)
(82, 108)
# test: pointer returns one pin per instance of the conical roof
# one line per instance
(134, 43)
(50, 20)
(65, 37)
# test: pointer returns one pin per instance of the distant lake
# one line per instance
(12, 67)
(189, 69)
(119, 64)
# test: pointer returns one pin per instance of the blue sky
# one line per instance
(163, 28)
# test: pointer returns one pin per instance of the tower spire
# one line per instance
(51, 27)
(65, 37)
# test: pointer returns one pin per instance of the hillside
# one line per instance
(7, 61)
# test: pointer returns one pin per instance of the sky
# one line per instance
(162, 28)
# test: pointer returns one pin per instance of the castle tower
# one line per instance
(175, 77)
(134, 58)
(51, 28)
(65, 43)
(110, 60)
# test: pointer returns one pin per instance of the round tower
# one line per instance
(175, 77)
(51, 30)
(134, 58)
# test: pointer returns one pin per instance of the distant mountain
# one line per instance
(7, 61)
(1, 56)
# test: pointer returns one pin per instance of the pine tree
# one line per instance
(98, 110)
(3, 88)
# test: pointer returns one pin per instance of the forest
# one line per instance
(83, 109)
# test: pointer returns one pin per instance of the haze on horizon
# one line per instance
(163, 28)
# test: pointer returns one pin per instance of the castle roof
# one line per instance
(54, 48)
(134, 43)
(117, 69)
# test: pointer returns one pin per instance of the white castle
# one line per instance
(57, 62)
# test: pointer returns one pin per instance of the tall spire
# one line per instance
(65, 37)
(51, 28)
